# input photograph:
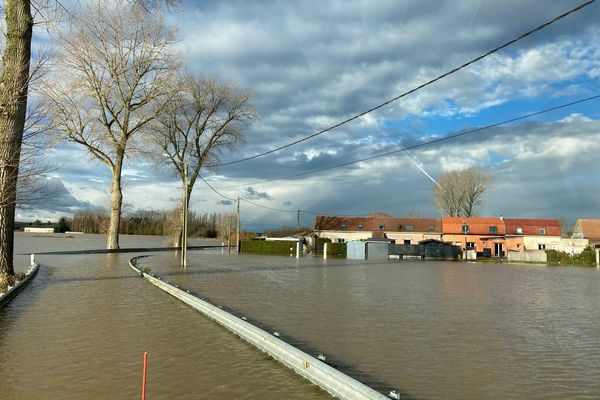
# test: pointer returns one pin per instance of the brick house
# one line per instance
(537, 234)
(402, 230)
(486, 236)
(588, 229)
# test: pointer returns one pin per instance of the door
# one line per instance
(498, 249)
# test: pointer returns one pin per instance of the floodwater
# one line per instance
(431, 330)
(80, 329)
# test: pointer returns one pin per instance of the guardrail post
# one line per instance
(325, 251)
(298, 249)
(144, 376)
(597, 258)
(32, 259)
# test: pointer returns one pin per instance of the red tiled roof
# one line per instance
(373, 224)
(590, 228)
(477, 226)
(532, 227)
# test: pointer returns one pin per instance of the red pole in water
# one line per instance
(144, 376)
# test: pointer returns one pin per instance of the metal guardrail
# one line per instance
(328, 378)
(12, 292)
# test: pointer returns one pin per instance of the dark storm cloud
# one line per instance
(53, 196)
(303, 63)
(253, 194)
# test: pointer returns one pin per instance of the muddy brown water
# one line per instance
(432, 330)
(81, 328)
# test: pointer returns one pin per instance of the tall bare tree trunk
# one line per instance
(178, 239)
(116, 201)
(13, 106)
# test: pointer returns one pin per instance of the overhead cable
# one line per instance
(415, 89)
(422, 144)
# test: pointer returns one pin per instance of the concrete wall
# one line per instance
(573, 246)
(39, 230)
(346, 235)
(316, 371)
(532, 242)
(534, 256)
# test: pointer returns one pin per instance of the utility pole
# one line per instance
(185, 216)
(238, 225)
(229, 236)
(298, 220)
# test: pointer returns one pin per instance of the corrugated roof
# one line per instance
(375, 224)
(532, 227)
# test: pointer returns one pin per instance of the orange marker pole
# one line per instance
(144, 376)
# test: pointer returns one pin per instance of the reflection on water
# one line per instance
(434, 330)
(80, 330)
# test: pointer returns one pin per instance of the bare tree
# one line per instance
(113, 74)
(459, 193)
(203, 119)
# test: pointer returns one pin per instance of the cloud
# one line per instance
(54, 197)
(253, 194)
(310, 69)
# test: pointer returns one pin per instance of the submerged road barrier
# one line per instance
(13, 290)
(328, 378)
(127, 250)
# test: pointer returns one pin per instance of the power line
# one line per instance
(241, 198)
(266, 207)
(423, 144)
(423, 85)
(263, 206)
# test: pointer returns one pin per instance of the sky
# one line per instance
(311, 64)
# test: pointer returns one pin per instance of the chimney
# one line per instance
(501, 218)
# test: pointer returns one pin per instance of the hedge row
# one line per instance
(587, 257)
(268, 247)
(336, 249)
(321, 243)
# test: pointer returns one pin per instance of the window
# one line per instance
(519, 230)
(431, 228)
(406, 241)
(382, 226)
(493, 230)
(359, 227)
(541, 246)
(341, 240)
(465, 229)
(409, 227)
(542, 231)
(470, 245)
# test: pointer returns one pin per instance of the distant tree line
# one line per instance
(155, 222)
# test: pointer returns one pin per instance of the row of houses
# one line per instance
(488, 237)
